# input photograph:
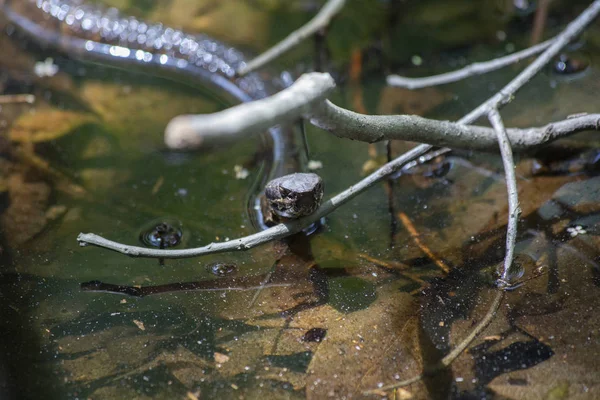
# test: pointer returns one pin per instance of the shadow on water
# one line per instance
(25, 370)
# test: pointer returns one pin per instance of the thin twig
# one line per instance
(274, 233)
(478, 68)
(511, 186)
(401, 269)
(539, 21)
(511, 235)
(374, 128)
(319, 21)
(387, 264)
(415, 236)
(507, 93)
(192, 131)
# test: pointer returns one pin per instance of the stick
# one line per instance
(478, 68)
(511, 186)
(492, 106)
(505, 95)
(194, 131)
(319, 21)
(374, 128)
(307, 97)
(511, 235)
(274, 233)
(415, 236)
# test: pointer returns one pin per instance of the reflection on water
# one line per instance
(358, 304)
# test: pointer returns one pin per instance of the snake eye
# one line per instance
(162, 233)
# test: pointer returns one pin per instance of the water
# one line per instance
(356, 285)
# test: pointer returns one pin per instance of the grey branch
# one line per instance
(492, 106)
(307, 97)
(320, 21)
(511, 235)
(283, 230)
(374, 128)
(507, 93)
(511, 186)
(277, 232)
(478, 68)
(194, 131)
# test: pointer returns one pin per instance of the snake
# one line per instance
(102, 34)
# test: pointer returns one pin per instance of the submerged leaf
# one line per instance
(46, 125)
(367, 348)
(25, 217)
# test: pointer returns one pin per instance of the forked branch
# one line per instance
(320, 21)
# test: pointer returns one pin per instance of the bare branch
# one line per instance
(511, 235)
(374, 128)
(511, 186)
(307, 97)
(478, 68)
(507, 93)
(283, 230)
(277, 232)
(320, 21)
(194, 131)
(492, 106)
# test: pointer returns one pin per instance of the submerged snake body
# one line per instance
(104, 35)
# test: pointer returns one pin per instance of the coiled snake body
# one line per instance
(103, 34)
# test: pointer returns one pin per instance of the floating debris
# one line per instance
(314, 165)
(240, 172)
(139, 324)
(221, 358)
(576, 230)
(45, 68)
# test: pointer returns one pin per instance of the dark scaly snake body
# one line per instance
(104, 35)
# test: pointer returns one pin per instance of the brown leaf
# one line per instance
(25, 217)
(364, 349)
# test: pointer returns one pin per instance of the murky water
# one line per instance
(356, 305)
